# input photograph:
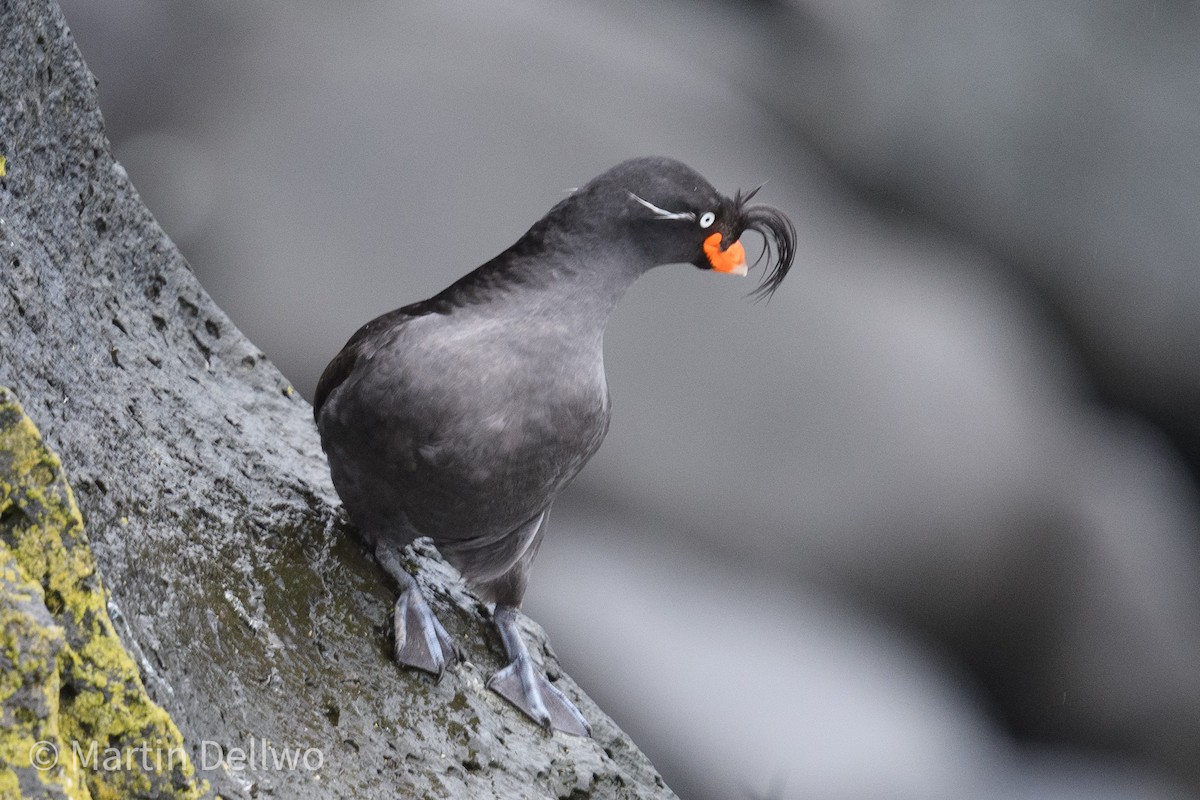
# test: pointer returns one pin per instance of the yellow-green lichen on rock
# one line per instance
(75, 719)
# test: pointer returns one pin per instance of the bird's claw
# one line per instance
(528, 689)
(421, 641)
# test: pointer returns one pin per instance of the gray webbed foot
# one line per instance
(521, 684)
(421, 641)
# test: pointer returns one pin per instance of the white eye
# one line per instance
(707, 219)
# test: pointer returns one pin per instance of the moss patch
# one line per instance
(75, 719)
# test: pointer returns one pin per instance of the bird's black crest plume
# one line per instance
(779, 240)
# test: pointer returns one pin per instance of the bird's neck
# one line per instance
(564, 289)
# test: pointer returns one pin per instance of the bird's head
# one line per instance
(676, 216)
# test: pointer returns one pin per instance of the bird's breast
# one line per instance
(486, 470)
(471, 429)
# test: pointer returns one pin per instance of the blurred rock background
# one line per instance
(926, 525)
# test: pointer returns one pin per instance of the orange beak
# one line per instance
(731, 260)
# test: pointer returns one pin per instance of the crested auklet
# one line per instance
(461, 417)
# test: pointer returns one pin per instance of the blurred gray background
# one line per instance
(923, 526)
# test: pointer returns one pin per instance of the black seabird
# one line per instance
(462, 417)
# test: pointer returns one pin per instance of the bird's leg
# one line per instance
(521, 684)
(421, 641)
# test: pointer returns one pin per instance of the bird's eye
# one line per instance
(707, 219)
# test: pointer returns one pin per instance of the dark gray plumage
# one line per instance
(463, 416)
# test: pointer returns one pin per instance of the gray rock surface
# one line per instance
(256, 620)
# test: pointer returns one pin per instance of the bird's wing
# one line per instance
(343, 363)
